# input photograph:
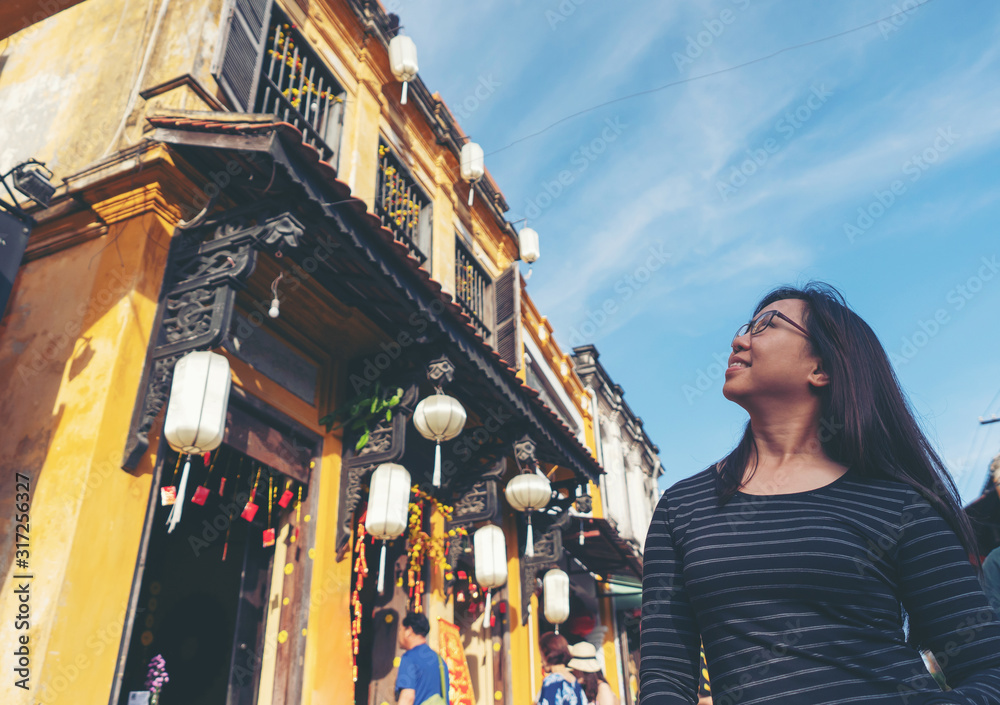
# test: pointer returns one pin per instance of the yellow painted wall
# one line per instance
(72, 349)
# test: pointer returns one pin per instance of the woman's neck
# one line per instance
(561, 670)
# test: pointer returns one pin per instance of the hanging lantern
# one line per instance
(403, 61)
(527, 493)
(196, 413)
(439, 418)
(528, 243)
(555, 586)
(472, 166)
(388, 504)
(491, 561)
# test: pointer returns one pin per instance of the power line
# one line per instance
(706, 75)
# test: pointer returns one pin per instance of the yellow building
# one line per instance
(240, 176)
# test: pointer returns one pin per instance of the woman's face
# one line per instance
(777, 363)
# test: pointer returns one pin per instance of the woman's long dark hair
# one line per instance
(866, 422)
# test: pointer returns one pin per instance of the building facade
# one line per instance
(241, 177)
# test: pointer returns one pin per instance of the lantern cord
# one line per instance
(437, 464)
(381, 569)
(529, 543)
(403, 99)
(178, 508)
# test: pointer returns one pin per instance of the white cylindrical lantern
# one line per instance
(196, 413)
(491, 562)
(528, 243)
(199, 396)
(473, 166)
(403, 61)
(388, 505)
(439, 418)
(555, 588)
(527, 493)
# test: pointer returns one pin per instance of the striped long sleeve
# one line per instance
(800, 599)
(949, 613)
(669, 642)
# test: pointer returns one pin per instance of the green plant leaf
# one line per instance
(388, 414)
(362, 442)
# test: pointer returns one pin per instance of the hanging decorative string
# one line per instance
(201, 493)
(298, 516)
(421, 546)
(268, 537)
(361, 572)
(232, 507)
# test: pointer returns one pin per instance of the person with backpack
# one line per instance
(422, 678)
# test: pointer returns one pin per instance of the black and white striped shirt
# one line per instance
(798, 599)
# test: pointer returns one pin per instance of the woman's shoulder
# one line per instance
(698, 484)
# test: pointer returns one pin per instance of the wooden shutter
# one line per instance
(425, 229)
(242, 51)
(507, 330)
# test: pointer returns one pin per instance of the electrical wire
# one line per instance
(691, 79)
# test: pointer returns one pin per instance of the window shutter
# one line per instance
(242, 51)
(425, 229)
(507, 331)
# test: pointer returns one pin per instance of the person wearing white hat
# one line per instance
(587, 670)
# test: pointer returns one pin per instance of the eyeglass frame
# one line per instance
(748, 327)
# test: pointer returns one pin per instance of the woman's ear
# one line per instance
(819, 378)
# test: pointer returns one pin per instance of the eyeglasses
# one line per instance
(759, 324)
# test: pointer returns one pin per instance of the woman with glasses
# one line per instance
(828, 548)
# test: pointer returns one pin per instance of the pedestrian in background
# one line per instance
(797, 556)
(560, 686)
(422, 678)
(587, 670)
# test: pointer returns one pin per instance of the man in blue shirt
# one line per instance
(422, 673)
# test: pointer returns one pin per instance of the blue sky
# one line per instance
(870, 161)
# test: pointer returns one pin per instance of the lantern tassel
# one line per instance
(405, 86)
(529, 544)
(487, 617)
(381, 570)
(472, 193)
(581, 532)
(557, 628)
(437, 464)
(175, 511)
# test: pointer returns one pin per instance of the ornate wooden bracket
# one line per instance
(386, 444)
(440, 371)
(548, 549)
(206, 267)
(524, 452)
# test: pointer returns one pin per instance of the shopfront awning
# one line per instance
(259, 158)
(603, 552)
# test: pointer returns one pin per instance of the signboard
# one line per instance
(453, 653)
(13, 241)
